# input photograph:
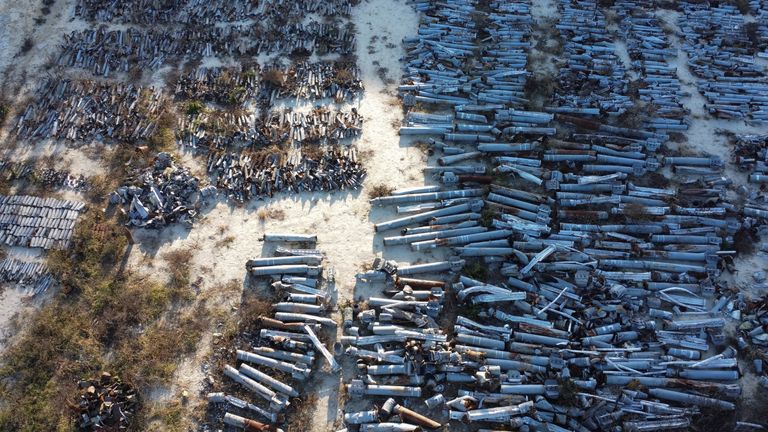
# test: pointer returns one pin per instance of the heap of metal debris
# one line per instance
(225, 86)
(649, 48)
(205, 12)
(106, 51)
(334, 80)
(722, 58)
(282, 356)
(245, 176)
(593, 77)
(104, 404)
(88, 110)
(35, 222)
(162, 194)
(592, 296)
(214, 130)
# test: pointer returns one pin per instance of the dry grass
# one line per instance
(744, 242)
(276, 77)
(380, 190)
(226, 242)
(301, 413)
(179, 263)
(194, 108)
(539, 89)
(5, 109)
(103, 319)
(265, 213)
(637, 212)
(164, 138)
(26, 46)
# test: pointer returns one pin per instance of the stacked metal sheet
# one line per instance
(649, 49)
(160, 195)
(722, 57)
(288, 342)
(33, 275)
(29, 221)
(592, 77)
(89, 110)
(243, 176)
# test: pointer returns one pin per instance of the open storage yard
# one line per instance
(383, 215)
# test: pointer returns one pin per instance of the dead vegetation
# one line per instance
(275, 77)
(539, 90)
(634, 116)
(164, 138)
(226, 242)
(5, 109)
(380, 190)
(301, 413)
(179, 263)
(26, 46)
(265, 213)
(744, 242)
(102, 319)
(637, 212)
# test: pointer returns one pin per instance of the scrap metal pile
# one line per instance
(281, 358)
(159, 195)
(753, 340)
(649, 48)
(225, 86)
(750, 153)
(105, 52)
(85, 110)
(573, 311)
(34, 222)
(128, 11)
(230, 86)
(244, 176)
(32, 275)
(204, 12)
(217, 130)
(721, 56)
(758, 30)
(104, 404)
(592, 297)
(593, 78)
(337, 80)
(435, 62)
